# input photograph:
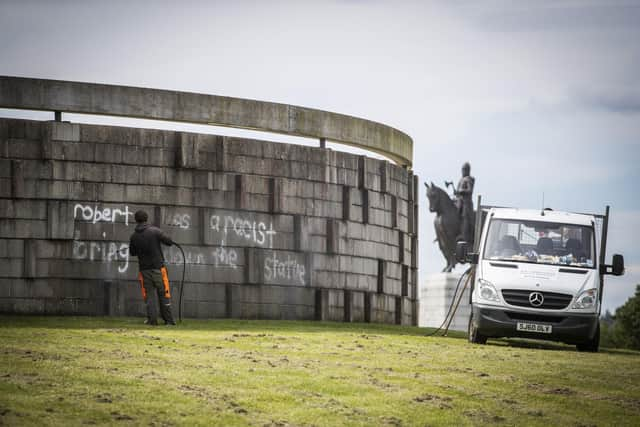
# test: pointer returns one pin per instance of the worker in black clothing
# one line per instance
(145, 244)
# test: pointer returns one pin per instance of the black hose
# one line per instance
(453, 300)
(184, 267)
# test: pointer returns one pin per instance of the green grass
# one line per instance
(78, 371)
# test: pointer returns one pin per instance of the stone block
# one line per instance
(275, 195)
(394, 212)
(152, 176)
(401, 247)
(405, 281)
(382, 308)
(382, 275)
(253, 273)
(108, 153)
(27, 306)
(385, 177)
(12, 267)
(222, 158)
(188, 151)
(412, 191)
(125, 174)
(301, 235)
(63, 131)
(411, 219)
(60, 219)
(30, 261)
(4, 138)
(366, 209)
(414, 252)
(333, 236)
(346, 203)
(17, 179)
(362, 172)
(329, 305)
(74, 171)
(159, 157)
(11, 248)
(133, 155)
(75, 151)
(240, 193)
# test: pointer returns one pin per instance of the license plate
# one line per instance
(533, 327)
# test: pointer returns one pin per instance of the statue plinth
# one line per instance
(436, 296)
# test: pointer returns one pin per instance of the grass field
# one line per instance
(79, 371)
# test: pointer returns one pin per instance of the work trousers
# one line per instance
(156, 282)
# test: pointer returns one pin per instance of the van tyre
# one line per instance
(474, 336)
(593, 344)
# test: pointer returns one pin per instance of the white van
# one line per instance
(538, 276)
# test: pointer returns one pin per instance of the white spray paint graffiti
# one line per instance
(117, 252)
(96, 214)
(252, 231)
(260, 233)
(181, 220)
(219, 257)
(102, 251)
(281, 269)
(227, 257)
(173, 256)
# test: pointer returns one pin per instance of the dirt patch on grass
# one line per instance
(121, 417)
(484, 417)
(563, 391)
(442, 402)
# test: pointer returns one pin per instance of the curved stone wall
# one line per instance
(270, 230)
(89, 98)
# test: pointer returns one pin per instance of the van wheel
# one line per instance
(474, 336)
(591, 345)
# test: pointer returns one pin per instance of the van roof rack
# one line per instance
(487, 207)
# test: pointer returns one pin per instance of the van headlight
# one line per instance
(586, 299)
(487, 291)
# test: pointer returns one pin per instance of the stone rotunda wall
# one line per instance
(269, 230)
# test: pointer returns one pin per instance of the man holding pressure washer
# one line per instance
(145, 244)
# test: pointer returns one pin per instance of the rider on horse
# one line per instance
(464, 202)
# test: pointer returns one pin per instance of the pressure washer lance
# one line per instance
(184, 266)
(449, 316)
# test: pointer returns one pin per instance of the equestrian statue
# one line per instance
(455, 217)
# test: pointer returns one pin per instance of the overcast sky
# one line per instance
(540, 96)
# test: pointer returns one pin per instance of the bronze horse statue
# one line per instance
(448, 223)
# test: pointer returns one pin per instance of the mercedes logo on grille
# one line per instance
(536, 299)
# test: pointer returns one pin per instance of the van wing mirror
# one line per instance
(616, 268)
(461, 251)
(463, 255)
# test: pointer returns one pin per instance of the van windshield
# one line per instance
(540, 242)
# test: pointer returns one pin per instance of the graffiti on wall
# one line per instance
(251, 231)
(279, 269)
(227, 226)
(111, 252)
(95, 214)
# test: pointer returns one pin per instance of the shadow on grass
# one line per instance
(232, 325)
(531, 344)
(552, 346)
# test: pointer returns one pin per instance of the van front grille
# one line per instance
(552, 300)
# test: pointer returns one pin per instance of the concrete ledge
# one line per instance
(126, 101)
(437, 295)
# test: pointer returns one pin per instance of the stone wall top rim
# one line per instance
(189, 107)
